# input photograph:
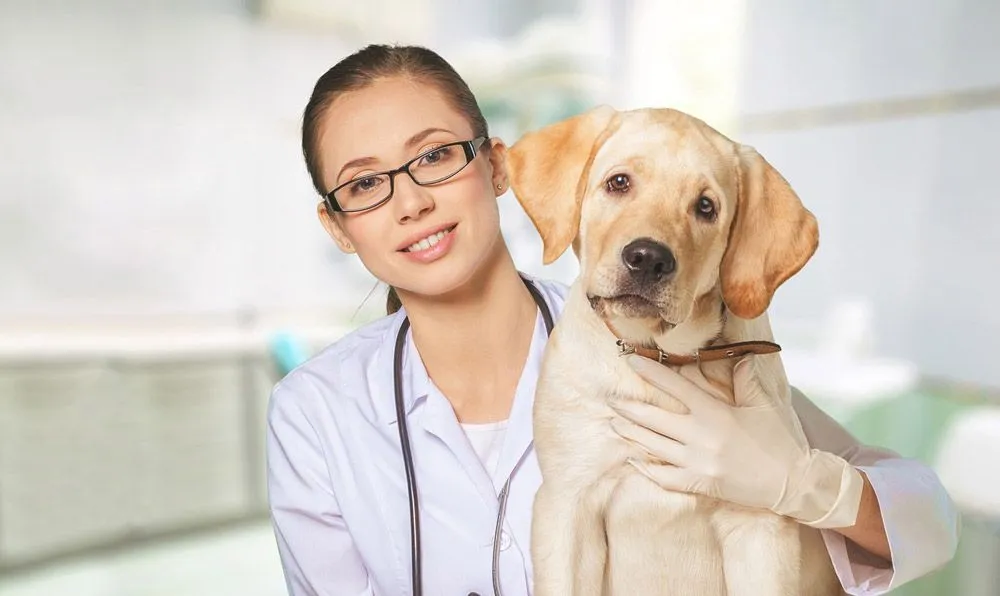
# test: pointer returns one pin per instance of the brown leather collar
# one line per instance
(707, 354)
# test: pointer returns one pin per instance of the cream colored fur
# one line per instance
(600, 527)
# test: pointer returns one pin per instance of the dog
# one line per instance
(682, 236)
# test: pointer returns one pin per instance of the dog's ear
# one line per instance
(548, 173)
(772, 237)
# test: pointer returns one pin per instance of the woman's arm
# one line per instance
(907, 525)
(316, 550)
(749, 454)
(868, 530)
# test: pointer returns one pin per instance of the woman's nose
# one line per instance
(411, 200)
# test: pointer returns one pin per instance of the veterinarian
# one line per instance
(438, 394)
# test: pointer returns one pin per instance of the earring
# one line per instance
(499, 186)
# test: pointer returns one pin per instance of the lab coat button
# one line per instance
(504, 540)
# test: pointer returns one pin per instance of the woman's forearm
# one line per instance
(868, 531)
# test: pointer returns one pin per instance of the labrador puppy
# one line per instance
(682, 236)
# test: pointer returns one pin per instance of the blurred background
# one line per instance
(161, 265)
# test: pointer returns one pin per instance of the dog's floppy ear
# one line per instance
(548, 173)
(772, 237)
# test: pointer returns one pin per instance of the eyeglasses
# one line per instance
(430, 167)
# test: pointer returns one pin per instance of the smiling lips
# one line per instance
(429, 241)
(432, 246)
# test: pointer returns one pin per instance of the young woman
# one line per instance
(399, 152)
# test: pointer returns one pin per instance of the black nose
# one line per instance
(648, 260)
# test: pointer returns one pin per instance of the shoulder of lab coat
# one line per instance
(315, 547)
(316, 550)
(920, 519)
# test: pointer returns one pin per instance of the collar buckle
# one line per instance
(625, 348)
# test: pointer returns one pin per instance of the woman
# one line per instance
(430, 229)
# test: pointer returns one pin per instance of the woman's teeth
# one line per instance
(428, 241)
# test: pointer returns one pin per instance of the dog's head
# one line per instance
(664, 213)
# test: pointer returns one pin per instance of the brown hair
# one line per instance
(366, 66)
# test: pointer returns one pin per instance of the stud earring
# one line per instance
(499, 186)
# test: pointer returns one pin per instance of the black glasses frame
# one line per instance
(471, 149)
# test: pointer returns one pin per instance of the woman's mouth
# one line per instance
(429, 241)
(432, 247)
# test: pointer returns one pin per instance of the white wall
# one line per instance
(150, 163)
(908, 208)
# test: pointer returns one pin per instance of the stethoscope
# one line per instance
(411, 481)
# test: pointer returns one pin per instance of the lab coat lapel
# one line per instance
(440, 421)
(434, 413)
(519, 431)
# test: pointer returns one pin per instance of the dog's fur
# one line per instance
(601, 527)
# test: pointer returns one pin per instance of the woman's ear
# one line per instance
(498, 162)
(333, 228)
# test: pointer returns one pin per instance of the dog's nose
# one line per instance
(648, 260)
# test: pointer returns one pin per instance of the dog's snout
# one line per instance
(648, 260)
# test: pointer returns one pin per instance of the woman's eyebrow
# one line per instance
(366, 161)
(355, 163)
(424, 134)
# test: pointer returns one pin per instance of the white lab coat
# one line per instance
(338, 493)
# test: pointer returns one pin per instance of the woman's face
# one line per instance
(426, 240)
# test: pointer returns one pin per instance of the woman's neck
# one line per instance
(474, 342)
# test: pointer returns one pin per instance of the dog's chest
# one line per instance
(573, 413)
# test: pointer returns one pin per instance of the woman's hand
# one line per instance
(746, 454)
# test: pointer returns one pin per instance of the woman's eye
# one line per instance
(435, 156)
(365, 184)
(618, 183)
(705, 208)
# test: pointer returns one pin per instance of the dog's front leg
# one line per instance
(568, 542)
(761, 553)
(553, 536)
(591, 574)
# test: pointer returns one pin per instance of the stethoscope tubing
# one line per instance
(411, 477)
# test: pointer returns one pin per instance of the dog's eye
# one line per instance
(618, 183)
(705, 208)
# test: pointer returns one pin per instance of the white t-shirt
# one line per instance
(487, 440)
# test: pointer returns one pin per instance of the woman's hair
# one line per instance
(366, 66)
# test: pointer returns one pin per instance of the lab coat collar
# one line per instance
(439, 420)
(519, 429)
(417, 386)
(416, 382)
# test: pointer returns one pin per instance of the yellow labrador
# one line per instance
(682, 236)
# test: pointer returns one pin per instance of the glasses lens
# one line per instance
(363, 192)
(439, 164)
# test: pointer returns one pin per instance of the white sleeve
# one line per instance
(920, 519)
(317, 552)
